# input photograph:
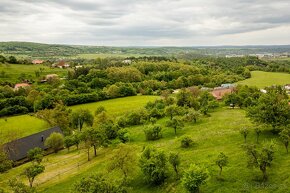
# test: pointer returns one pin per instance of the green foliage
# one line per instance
(55, 141)
(186, 141)
(123, 135)
(98, 183)
(153, 132)
(244, 132)
(80, 117)
(194, 177)
(153, 164)
(261, 159)
(285, 137)
(221, 161)
(35, 154)
(174, 160)
(19, 187)
(175, 123)
(32, 171)
(100, 109)
(5, 163)
(192, 116)
(69, 141)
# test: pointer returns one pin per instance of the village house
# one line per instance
(21, 85)
(37, 61)
(61, 64)
(219, 92)
(17, 149)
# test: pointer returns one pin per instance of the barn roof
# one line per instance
(17, 149)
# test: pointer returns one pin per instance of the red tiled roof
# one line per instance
(221, 92)
(21, 85)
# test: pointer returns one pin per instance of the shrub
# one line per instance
(123, 135)
(55, 141)
(153, 132)
(186, 141)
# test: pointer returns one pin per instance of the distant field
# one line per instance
(13, 71)
(94, 56)
(118, 106)
(263, 79)
(20, 126)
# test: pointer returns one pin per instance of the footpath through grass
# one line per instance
(264, 79)
(211, 135)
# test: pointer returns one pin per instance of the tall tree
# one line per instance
(80, 117)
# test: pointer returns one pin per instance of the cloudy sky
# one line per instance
(146, 22)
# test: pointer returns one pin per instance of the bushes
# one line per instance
(12, 110)
(186, 141)
(153, 132)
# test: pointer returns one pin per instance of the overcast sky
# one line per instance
(146, 22)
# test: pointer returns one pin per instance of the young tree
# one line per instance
(186, 141)
(69, 141)
(55, 141)
(221, 161)
(245, 133)
(194, 177)
(172, 110)
(174, 160)
(153, 164)
(153, 132)
(32, 171)
(100, 109)
(80, 117)
(5, 163)
(19, 187)
(35, 154)
(192, 116)
(124, 160)
(258, 131)
(285, 137)
(175, 123)
(260, 158)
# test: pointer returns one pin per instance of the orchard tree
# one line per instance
(192, 116)
(81, 117)
(258, 131)
(32, 171)
(221, 161)
(55, 141)
(272, 109)
(172, 110)
(5, 163)
(174, 160)
(245, 133)
(285, 137)
(194, 177)
(175, 123)
(261, 159)
(69, 141)
(124, 160)
(35, 154)
(153, 164)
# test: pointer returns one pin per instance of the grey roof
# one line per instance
(17, 149)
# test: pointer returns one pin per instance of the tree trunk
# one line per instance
(175, 130)
(88, 154)
(286, 146)
(221, 169)
(95, 150)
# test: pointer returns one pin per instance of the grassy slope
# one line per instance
(20, 126)
(220, 132)
(12, 71)
(263, 79)
(118, 106)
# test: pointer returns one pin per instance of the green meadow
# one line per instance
(118, 106)
(264, 79)
(11, 72)
(218, 133)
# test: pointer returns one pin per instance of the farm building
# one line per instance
(21, 85)
(17, 149)
(219, 92)
(37, 61)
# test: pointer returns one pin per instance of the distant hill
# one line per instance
(31, 49)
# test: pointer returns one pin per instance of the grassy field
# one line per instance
(118, 106)
(13, 71)
(263, 79)
(20, 126)
(211, 135)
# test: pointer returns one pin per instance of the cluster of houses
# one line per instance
(59, 64)
(261, 56)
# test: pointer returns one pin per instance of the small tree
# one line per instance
(174, 160)
(153, 132)
(153, 164)
(285, 137)
(124, 160)
(186, 141)
(194, 177)
(32, 171)
(99, 110)
(5, 163)
(35, 154)
(260, 158)
(245, 133)
(172, 110)
(221, 161)
(258, 131)
(19, 187)
(55, 141)
(175, 123)
(69, 141)
(192, 116)
(80, 117)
